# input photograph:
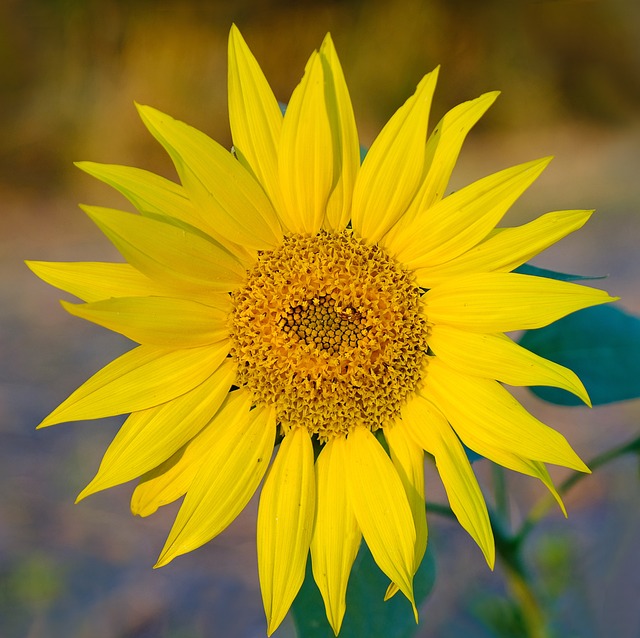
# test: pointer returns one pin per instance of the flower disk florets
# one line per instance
(329, 330)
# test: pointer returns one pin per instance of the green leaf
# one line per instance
(367, 613)
(601, 345)
(528, 269)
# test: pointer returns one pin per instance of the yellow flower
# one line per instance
(286, 293)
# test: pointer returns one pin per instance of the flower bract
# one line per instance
(350, 315)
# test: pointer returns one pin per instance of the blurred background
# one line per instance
(69, 73)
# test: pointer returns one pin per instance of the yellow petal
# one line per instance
(513, 462)
(408, 459)
(443, 148)
(393, 168)
(234, 466)
(228, 199)
(172, 478)
(148, 192)
(285, 524)
(502, 302)
(381, 508)
(507, 248)
(149, 437)
(346, 153)
(167, 253)
(254, 115)
(141, 378)
(444, 144)
(305, 153)
(430, 430)
(495, 356)
(92, 281)
(460, 221)
(95, 281)
(336, 536)
(159, 321)
(489, 412)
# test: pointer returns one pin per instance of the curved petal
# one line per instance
(513, 462)
(305, 154)
(149, 437)
(93, 281)
(507, 248)
(346, 154)
(254, 115)
(444, 145)
(394, 166)
(234, 466)
(443, 148)
(170, 254)
(172, 478)
(285, 524)
(489, 412)
(158, 321)
(381, 508)
(430, 430)
(139, 379)
(228, 199)
(408, 459)
(495, 356)
(461, 220)
(148, 192)
(96, 281)
(336, 535)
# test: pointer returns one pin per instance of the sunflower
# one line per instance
(287, 296)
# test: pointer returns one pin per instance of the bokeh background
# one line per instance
(69, 73)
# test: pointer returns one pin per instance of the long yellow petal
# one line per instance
(158, 321)
(336, 536)
(149, 437)
(167, 253)
(285, 525)
(344, 133)
(506, 249)
(254, 115)
(148, 192)
(489, 412)
(460, 221)
(381, 508)
(172, 479)
(513, 462)
(408, 459)
(393, 168)
(443, 148)
(305, 154)
(430, 430)
(495, 356)
(502, 302)
(139, 379)
(234, 466)
(445, 143)
(228, 199)
(93, 281)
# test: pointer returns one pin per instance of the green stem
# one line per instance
(532, 614)
(500, 491)
(508, 552)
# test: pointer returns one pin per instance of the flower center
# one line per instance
(331, 332)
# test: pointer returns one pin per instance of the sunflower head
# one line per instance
(288, 294)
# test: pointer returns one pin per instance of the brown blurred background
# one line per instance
(69, 73)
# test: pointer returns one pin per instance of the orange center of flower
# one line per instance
(330, 331)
